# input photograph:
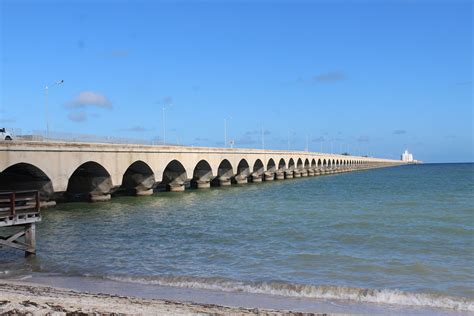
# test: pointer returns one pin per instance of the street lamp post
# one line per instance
(46, 92)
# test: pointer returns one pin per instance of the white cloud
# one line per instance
(90, 98)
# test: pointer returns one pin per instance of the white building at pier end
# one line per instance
(407, 156)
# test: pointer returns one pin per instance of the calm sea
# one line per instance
(401, 235)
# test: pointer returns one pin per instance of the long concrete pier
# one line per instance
(91, 171)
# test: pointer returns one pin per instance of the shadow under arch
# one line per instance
(202, 175)
(291, 164)
(258, 170)
(138, 179)
(281, 164)
(299, 164)
(224, 174)
(24, 176)
(174, 177)
(269, 174)
(243, 172)
(91, 182)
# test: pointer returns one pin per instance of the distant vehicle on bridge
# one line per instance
(4, 135)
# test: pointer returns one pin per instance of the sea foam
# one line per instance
(385, 296)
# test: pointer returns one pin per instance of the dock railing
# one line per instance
(20, 209)
(19, 202)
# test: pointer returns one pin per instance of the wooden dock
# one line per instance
(20, 209)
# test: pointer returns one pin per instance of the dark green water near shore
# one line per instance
(401, 235)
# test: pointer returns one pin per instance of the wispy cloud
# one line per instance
(79, 116)
(201, 139)
(329, 76)
(257, 132)
(119, 53)
(167, 100)
(89, 99)
(464, 83)
(399, 132)
(318, 139)
(7, 120)
(136, 129)
(246, 140)
(363, 139)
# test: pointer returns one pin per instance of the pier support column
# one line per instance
(224, 181)
(280, 176)
(310, 173)
(99, 197)
(203, 184)
(269, 176)
(144, 192)
(296, 174)
(30, 239)
(256, 177)
(176, 187)
(240, 179)
(28, 231)
(289, 174)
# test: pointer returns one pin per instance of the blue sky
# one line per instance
(369, 77)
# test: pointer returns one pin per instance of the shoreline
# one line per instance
(45, 293)
(21, 298)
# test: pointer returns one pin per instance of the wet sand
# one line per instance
(22, 298)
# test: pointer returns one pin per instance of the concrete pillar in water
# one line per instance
(256, 177)
(269, 176)
(144, 192)
(203, 184)
(280, 175)
(176, 187)
(224, 181)
(99, 197)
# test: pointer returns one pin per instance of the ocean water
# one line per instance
(400, 236)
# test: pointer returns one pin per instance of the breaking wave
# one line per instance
(385, 296)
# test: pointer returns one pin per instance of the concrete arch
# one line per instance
(25, 176)
(271, 166)
(306, 163)
(139, 178)
(258, 167)
(174, 176)
(299, 164)
(319, 162)
(225, 169)
(90, 181)
(257, 171)
(202, 175)
(313, 163)
(291, 164)
(243, 172)
(281, 164)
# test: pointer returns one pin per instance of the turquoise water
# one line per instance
(401, 235)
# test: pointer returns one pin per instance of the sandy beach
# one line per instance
(18, 298)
